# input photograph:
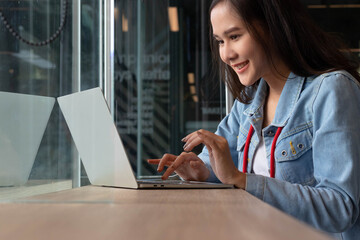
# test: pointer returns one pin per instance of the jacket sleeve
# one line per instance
(229, 129)
(332, 204)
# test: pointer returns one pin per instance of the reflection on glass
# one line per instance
(22, 125)
(164, 49)
(38, 69)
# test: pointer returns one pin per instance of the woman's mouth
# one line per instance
(241, 67)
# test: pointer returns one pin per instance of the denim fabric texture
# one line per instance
(317, 155)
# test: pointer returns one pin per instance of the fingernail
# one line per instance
(184, 139)
(185, 146)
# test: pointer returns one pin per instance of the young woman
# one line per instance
(292, 138)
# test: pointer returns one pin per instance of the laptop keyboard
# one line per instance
(159, 181)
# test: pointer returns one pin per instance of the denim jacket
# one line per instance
(317, 154)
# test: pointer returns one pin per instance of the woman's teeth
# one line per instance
(241, 66)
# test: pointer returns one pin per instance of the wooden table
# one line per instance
(113, 213)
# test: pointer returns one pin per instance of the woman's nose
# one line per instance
(228, 53)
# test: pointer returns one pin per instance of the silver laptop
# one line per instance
(100, 147)
(22, 125)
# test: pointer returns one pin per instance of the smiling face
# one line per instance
(237, 47)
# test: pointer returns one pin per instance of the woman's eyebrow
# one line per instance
(228, 31)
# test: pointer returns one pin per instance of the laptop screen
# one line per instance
(96, 138)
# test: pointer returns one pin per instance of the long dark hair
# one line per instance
(291, 35)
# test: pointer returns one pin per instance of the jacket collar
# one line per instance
(288, 98)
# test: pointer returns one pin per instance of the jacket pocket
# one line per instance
(293, 155)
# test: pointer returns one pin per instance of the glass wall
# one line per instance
(163, 86)
(48, 48)
(36, 59)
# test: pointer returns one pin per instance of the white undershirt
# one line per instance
(260, 163)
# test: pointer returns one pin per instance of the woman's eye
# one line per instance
(234, 37)
(220, 42)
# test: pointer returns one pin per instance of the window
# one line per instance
(163, 85)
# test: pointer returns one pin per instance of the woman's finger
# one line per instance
(191, 141)
(165, 161)
(179, 161)
(157, 161)
(188, 137)
(191, 144)
(153, 161)
(213, 141)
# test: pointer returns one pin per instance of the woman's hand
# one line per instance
(187, 165)
(220, 157)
